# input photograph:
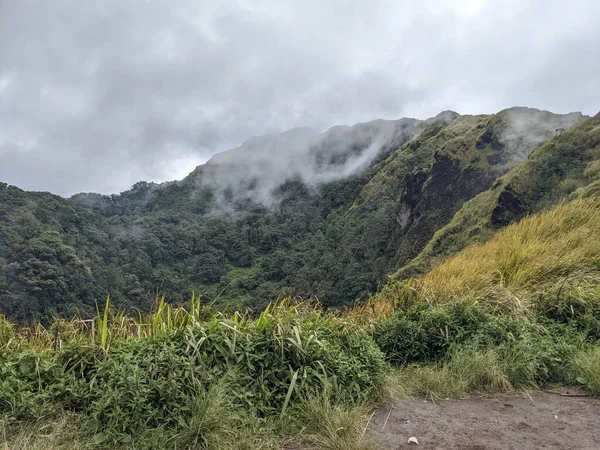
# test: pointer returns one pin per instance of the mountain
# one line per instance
(566, 166)
(252, 172)
(325, 215)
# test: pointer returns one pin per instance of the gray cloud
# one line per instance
(527, 129)
(97, 95)
(261, 164)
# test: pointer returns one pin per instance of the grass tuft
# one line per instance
(587, 367)
(468, 371)
(330, 425)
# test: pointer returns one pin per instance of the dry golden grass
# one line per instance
(523, 261)
(365, 314)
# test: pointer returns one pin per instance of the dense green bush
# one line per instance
(30, 382)
(586, 364)
(423, 333)
(574, 302)
(139, 384)
(541, 355)
(532, 352)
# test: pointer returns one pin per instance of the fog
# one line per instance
(95, 96)
(529, 128)
(261, 164)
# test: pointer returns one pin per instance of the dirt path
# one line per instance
(501, 422)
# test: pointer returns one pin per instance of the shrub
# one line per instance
(31, 384)
(540, 355)
(575, 301)
(586, 365)
(129, 386)
(424, 333)
(463, 335)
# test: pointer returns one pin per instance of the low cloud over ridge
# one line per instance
(96, 96)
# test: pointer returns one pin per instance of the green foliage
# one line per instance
(574, 301)
(526, 363)
(529, 353)
(164, 376)
(329, 425)
(587, 368)
(58, 258)
(540, 357)
(195, 379)
(216, 422)
(30, 381)
(6, 331)
(468, 370)
(422, 333)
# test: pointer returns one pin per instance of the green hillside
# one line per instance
(567, 165)
(326, 216)
(545, 263)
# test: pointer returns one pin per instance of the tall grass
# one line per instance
(328, 425)
(550, 254)
(468, 371)
(180, 369)
(6, 331)
(587, 366)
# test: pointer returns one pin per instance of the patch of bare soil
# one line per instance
(500, 422)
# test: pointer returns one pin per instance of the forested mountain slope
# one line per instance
(565, 166)
(323, 215)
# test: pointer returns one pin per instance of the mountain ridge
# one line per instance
(365, 201)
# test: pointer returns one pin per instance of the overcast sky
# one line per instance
(96, 95)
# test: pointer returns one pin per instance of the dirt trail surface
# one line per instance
(501, 422)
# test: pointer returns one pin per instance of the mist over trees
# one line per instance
(317, 216)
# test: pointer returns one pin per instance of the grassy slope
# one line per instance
(539, 281)
(525, 262)
(565, 166)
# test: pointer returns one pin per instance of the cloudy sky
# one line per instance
(96, 95)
